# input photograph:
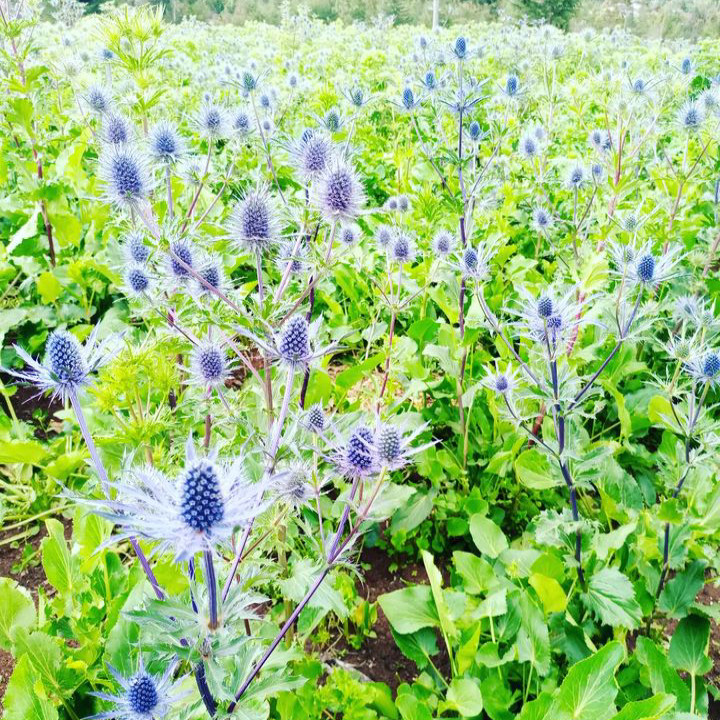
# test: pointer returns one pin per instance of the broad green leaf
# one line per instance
(410, 609)
(498, 697)
(44, 654)
(534, 471)
(611, 597)
(48, 287)
(60, 567)
(489, 539)
(533, 640)
(537, 709)
(17, 610)
(477, 574)
(550, 592)
(589, 689)
(465, 696)
(661, 676)
(435, 578)
(465, 654)
(680, 592)
(613, 540)
(651, 709)
(25, 697)
(688, 645)
(22, 451)
(419, 646)
(411, 708)
(417, 509)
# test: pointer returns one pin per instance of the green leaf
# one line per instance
(411, 708)
(27, 451)
(435, 578)
(661, 676)
(410, 609)
(48, 287)
(688, 645)
(611, 597)
(589, 689)
(533, 640)
(44, 654)
(478, 575)
(60, 568)
(25, 698)
(550, 592)
(534, 471)
(409, 517)
(465, 696)
(17, 610)
(487, 536)
(680, 592)
(651, 709)
(419, 646)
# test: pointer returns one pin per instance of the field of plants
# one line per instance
(357, 371)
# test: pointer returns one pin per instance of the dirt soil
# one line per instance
(379, 658)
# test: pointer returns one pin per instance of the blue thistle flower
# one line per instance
(183, 250)
(136, 251)
(200, 511)
(142, 696)
(98, 100)
(402, 250)
(512, 85)
(254, 223)
(165, 143)
(690, 117)
(137, 280)
(474, 130)
(576, 177)
(115, 129)
(542, 219)
(312, 153)
(383, 236)
(241, 123)
(125, 176)
(460, 48)
(67, 366)
(315, 419)
(209, 368)
(211, 121)
(443, 243)
(337, 193)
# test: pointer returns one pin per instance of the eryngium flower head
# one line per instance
(98, 100)
(499, 381)
(402, 248)
(357, 456)
(241, 123)
(338, 193)
(315, 419)
(600, 140)
(542, 220)
(646, 268)
(292, 257)
(443, 243)
(211, 272)
(349, 233)
(383, 236)
(393, 448)
(686, 66)
(295, 486)
(333, 120)
(292, 345)
(549, 318)
(115, 129)
(137, 280)
(474, 131)
(211, 121)
(254, 222)
(165, 144)
(67, 366)
(705, 368)
(575, 177)
(529, 147)
(208, 366)
(475, 262)
(136, 251)
(199, 511)
(124, 173)
(690, 117)
(512, 85)
(460, 48)
(181, 253)
(142, 696)
(311, 154)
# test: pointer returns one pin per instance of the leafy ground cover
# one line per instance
(358, 372)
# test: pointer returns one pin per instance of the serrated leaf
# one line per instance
(24, 699)
(680, 592)
(419, 646)
(534, 471)
(611, 597)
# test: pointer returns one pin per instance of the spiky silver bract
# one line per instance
(640, 266)
(209, 368)
(125, 176)
(254, 224)
(165, 144)
(197, 511)
(338, 193)
(142, 696)
(68, 363)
